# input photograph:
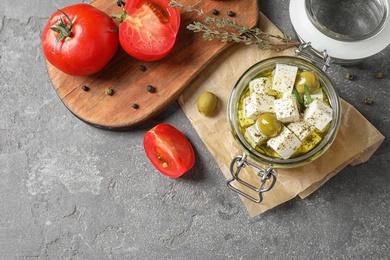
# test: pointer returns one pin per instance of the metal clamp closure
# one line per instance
(267, 176)
(307, 51)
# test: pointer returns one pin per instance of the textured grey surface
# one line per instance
(71, 191)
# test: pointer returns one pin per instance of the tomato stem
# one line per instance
(121, 16)
(62, 28)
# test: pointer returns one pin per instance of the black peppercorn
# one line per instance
(368, 101)
(135, 106)
(120, 3)
(151, 89)
(215, 12)
(231, 13)
(142, 68)
(85, 88)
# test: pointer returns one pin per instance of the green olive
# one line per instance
(207, 102)
(308, 78)
(269, 125)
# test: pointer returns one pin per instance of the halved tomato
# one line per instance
(169, 150)
(148, 29)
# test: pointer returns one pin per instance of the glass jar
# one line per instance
(268, 175)
(349, 30)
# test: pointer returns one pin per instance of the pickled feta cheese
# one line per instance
(254, 136)
(310, 142)
(301, 129)
(260, 85)
(318, 114)
(286, 109)
(244, 121)
(255, 104)
(284, 78)
(318, 95)
(285, 144)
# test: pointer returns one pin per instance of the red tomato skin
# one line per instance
(134, 40)
(92, 44)
(167, 142)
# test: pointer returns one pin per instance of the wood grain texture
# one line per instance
(170, 75)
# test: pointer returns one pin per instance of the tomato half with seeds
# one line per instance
(149, 28)
(80, 39)
(169, 150)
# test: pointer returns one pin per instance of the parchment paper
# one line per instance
(356, 141)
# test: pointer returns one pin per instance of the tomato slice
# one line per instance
(169, 150)
(148, 31)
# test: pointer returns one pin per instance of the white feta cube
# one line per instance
(254, 136)
(256, 104)
(318, 114)
(286, 109)
(319, 95)
(260, 85)
(301, 129)
(284, 78)
(285, 144)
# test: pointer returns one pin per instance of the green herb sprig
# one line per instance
(298, 97)
(308, 96)
(228, 30)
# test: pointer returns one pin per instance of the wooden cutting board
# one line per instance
(169, 76)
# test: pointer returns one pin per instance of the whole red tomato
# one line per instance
(148, 29)
(80, 39)
(169, 150)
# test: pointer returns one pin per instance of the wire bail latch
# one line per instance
(267, 176)
(307, 51)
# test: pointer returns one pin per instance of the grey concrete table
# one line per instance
(71, 191)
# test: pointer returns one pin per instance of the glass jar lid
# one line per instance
(349, 30)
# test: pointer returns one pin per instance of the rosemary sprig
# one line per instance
(228, 30)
